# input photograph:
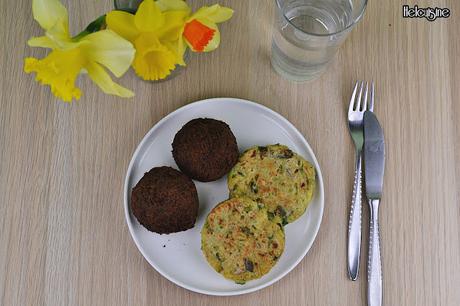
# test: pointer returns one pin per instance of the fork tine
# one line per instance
(364, 105)
(371, 102)
(353, 96)
(358, 101)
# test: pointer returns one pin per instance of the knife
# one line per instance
(374, 164)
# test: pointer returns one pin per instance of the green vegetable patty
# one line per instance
(240, 241)
(275, 176)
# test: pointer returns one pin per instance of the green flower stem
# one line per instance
(96, 25)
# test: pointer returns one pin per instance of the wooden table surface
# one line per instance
(63, 236)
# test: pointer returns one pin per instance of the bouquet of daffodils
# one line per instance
(153, 41)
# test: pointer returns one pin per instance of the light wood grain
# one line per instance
(63, 238)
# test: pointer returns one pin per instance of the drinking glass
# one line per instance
(308, 33)
(127, 5)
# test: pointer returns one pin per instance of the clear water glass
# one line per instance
(308, 33)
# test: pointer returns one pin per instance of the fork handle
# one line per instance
(354, 222)
(374, 264)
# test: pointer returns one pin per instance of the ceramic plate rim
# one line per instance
(238, 101)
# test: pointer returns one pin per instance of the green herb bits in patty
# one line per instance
(277, 177)
(239, 241)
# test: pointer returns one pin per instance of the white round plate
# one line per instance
(178, 256)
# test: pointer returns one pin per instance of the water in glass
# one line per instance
(307, 34)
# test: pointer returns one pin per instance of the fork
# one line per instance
(358, 105)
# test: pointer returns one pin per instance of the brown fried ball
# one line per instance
(165, 201)
(205, 149)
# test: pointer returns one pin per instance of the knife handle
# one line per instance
(374, 265)
(354, 222)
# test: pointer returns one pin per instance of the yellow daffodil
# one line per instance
(161, 31)
(155, 33)
(201, 32)
(86, 52)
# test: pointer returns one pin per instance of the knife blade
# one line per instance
(374, 156)
(374, 164)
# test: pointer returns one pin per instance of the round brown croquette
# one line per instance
(205, 149)
(165, 201)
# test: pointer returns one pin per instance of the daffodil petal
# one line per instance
(181, 48)
(109, 49)
(174, 47)
(123, 24)
(215, 13)
(173, 27)
(51, 13)
(59, 36)
(153, 61)
(43, 42)
(215, 41)
(173, 5)
(148, 17)
(105, 82)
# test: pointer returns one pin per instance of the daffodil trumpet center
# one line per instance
(198, 35)
(59, 70)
